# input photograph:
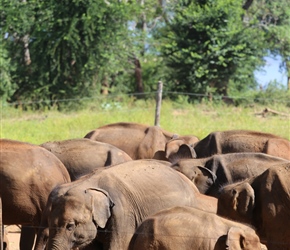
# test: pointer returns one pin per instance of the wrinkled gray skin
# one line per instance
(211, 173)
(82, 156)
(109, 205)
(234, 141)
(262, 201)
(141, 141)
(28, 173)
(189, 228)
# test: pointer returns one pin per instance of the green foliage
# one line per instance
(273, 94)
(70, 44)
(206, 43)
(274, 20)
(80, 48)
(6, 83)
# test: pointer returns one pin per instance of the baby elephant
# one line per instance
(189, 228)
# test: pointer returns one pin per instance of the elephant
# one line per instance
(190, 228)
(234, 141)
(82, 156)
(211, 173)
(107, 206)
(140, 141)
(28, 174)
(180, 148)
(262, 201)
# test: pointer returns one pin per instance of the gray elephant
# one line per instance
(82, 156)
(211, 173)
(234, 141)
(140, 141)
(28, 174)
(262, 201)
(189, 228)
(108, 205)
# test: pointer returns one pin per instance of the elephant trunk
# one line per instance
(58, 243)
(57, 246)
(41, 239)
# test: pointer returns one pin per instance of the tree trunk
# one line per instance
(138, 75)
(288, 74)
(247, 4)
(27, 59)
(105, 86)
(25, 41)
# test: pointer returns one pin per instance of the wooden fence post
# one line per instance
(158, 103)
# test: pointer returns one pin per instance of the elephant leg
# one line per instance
(27, 238)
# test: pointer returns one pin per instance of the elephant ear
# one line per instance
(212, 178)
(185, 151)
(203, 178)
(101, 206)
(239, 239)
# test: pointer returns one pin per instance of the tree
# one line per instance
(16, 19)
(274, 20)
(6, 84)
(72, 45)
(206, 43)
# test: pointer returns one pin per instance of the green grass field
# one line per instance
(180, 118)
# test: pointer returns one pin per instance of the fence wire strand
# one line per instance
(152, 93)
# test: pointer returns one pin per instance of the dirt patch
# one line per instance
(13, 233)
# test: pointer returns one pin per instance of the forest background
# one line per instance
(70, 50)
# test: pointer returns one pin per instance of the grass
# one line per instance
(178, 117)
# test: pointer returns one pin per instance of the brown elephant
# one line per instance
(234, 141)
(108, 205)
(82, 156)
(180, 148)
(211, 173)
(140, 141)
(189, 228)
(262, 201)
(28, 173)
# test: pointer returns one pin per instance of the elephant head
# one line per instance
(75, 217)
(238, 239)
(202, 177)
(236, 201)
(176, 149)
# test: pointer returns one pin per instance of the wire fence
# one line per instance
(151, 94)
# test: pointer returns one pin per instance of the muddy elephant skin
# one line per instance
(28, 173)
(234, 141)
(141, 141)
(189, 228)
(82, 156)
(110, 204)
(262, 201)
(211, 173)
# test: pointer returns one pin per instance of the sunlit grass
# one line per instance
(179, 118)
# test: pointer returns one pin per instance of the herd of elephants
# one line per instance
(130, 186)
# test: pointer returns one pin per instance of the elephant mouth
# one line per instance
(81, 244)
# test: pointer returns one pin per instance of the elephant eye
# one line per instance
(70, 226)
